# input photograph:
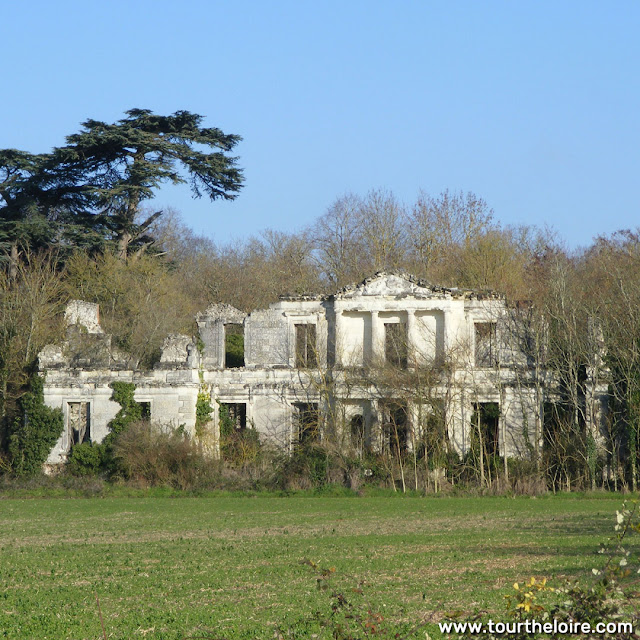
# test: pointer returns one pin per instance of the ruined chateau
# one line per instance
(373, 366)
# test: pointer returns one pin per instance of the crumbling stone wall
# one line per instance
(211, 326)
(348, 331)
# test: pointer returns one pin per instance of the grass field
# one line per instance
(230, 566)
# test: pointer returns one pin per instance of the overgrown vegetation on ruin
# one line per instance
(570, 305)
(35, 430)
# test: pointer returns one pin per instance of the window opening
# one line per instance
(79, 423)
(395, 344)
(356, 432)
(486, 344)
(235, 413)
(306, 346)
(485, 421)
(145, 415)
(396, 427)
(308, 420)
(233, 346)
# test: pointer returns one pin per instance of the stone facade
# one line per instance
(390, 351)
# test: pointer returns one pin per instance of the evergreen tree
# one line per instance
(120, 165)
(89, 193)
(22, 222)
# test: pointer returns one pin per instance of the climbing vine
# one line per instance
(227, 425)
(34, 432)
(130, 410)
(203, 410)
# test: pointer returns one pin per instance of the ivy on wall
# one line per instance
(35, 432)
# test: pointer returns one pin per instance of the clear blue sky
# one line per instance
(532, 105)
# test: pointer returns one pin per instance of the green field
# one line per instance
(230, 566)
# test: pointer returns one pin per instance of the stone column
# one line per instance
(413, 350)
(338, 345)
(377, 339)
(449, 332)
(373, 427)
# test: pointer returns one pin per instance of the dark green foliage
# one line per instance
(85, 459)
(20, 219)
(39, 209)
(307, 467)
(87, 193)
(130, 413)
(35, 432)
(120, 165)
(130, 410)
(227, 426)
(203, 410)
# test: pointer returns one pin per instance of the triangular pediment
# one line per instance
(393, 285)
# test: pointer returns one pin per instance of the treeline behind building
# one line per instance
(576, 303)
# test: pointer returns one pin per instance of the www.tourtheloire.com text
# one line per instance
(553, 627)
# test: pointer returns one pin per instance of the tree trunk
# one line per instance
(481, 441)
(124, 239)
(13, 262)
(633, 455)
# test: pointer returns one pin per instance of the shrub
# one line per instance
(151, 455)
(85, 459)
(312, 466)
(241, 447)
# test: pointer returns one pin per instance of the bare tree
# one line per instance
(383, 231)
(336, 238)
(613, 265)
(31, 303)
(445, 224)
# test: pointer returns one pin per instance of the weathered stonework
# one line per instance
(84, 314)
(211, 326)
(306, 356)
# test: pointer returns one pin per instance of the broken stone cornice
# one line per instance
(221, 311)
(455, 292)
(302, 297)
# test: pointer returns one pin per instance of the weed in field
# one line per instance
(612, 598)
(177, 565)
